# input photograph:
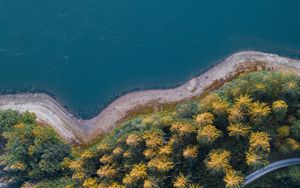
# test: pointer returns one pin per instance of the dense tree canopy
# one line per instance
(32, 152)
(211, 142)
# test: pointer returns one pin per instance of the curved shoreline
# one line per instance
(76, 130)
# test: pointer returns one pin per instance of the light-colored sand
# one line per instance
(82, 131)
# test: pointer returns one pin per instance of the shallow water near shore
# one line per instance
(89, 52)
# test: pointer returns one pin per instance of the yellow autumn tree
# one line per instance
(166, 120)
(280, 109)
(181, 181)
(150, 153)
(104, 147)
(259, 112)
(259, 140)
(153, 138)
(150, 182)
(148, 120)
(166, 150)
(18, 166)
(127, 154)
(208, 134)
(291, 89)
(238, 130)
(138, 172)
(233, 179)
(128, 180)
(90, 183)
(87, 154)
(283, 131)
(205, 118)
(75, 165)
(190, 152)
(235, 114)
(117, 151)
(206, 103)
(134, 139)
(106, 159)
(260, 90)
(244, 102)
(114, 185)
(161, 163)
(260, 87)
(293, 144)
(220, 107)
(195, 185)
(279, 105)
(252, 158)
(218, 160)
(78, 176)
(107, 171)
(183, 128)
(292, 85)
(255, 160)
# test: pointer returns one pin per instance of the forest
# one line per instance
(215, 140)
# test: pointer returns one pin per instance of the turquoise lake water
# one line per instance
(87, 52)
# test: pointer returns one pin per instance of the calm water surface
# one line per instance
(87, 52)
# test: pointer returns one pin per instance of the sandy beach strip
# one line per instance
(79, 131)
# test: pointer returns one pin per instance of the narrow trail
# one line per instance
(271, 167)
(81, 131)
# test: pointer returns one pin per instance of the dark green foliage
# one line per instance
(283, 178)
(32, 152)
(294, 175)
(28, 117)
(9, 118)
(264, 86)
(295, 129)
(187, 110)
(56, 183)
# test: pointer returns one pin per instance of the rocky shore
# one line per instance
(82, 131)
